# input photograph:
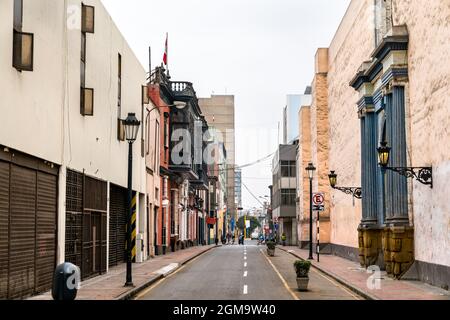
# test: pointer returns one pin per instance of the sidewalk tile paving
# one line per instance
(353, 276)
(110, 286)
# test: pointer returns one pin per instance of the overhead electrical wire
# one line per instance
(251, 193)
(235, 167)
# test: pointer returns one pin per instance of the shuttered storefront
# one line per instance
(86, 207)
(74, 217)
(28, 212)
(117, 225)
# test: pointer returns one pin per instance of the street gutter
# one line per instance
(353, 288)
(135, 291)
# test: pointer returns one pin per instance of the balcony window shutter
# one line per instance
(23, 51)
(87, 101)
(88, 19)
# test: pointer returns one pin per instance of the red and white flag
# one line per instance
(166, 52)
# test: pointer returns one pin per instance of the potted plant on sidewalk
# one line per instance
(302, 269)
(271, 248)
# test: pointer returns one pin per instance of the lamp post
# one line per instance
(422, 174)
(131, 125)
(310, 169)
(356, 192)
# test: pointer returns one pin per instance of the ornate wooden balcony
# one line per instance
(182, 90)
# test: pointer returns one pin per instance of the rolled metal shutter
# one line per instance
(22, 232)
(104, 242)
(4, 228)
(117, 225)
(45, 230)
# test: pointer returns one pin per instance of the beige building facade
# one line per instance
(386, 83)
(218, 111)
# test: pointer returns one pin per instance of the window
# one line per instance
(87, 94)
(87, 19)
(166, 130)
(172, 214)
(157, 145)
(157, 194)
(87, 101)
(119, 83)
(18, 15)
(23, 51)
(288, 197)
(120, 130)
(288, 169)
(148, 133)
(120, 126)
(23, 42)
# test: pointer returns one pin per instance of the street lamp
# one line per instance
(310, 169)
(131, 125)
(353, 191)
(177, 104)
(422, 174)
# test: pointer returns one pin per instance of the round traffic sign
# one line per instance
(318, 199)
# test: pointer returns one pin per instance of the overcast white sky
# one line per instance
(258, 50)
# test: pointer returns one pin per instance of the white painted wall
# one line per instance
(45, 103)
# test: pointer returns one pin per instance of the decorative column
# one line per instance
(369, 229)
(369, 168)
(397, 206)
(398, 235)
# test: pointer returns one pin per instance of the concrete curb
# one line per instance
(135, 291)
(353, 288)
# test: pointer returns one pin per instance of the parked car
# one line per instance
(255, 235)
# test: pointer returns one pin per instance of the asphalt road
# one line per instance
(242, 273)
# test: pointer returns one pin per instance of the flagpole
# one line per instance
(167, 54)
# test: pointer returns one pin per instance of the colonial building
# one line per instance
(67, 84)
(382, 88)
(181, 219)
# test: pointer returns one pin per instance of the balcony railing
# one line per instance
(183, 90)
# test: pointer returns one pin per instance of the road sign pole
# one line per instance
(318, 236)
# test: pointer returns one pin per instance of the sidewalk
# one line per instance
(110, 286)
(351, 274)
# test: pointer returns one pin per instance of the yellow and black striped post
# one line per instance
(133, 228)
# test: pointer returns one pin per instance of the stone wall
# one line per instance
(428, 23)
(353, 43)
(320, 131)
(427, 239)
(303, 158)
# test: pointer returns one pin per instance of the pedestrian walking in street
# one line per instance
(283, 239)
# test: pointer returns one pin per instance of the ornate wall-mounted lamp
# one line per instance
(422, 174)
(356, 192)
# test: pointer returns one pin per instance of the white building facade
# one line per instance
(63, 156)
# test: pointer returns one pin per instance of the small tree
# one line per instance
(254, 223)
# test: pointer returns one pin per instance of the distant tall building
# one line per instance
(290, 114)
(284, 192)
(238, 187)
(219, 113)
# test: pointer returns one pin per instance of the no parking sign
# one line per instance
(319, 202)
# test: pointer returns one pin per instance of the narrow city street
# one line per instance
(243, 273)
